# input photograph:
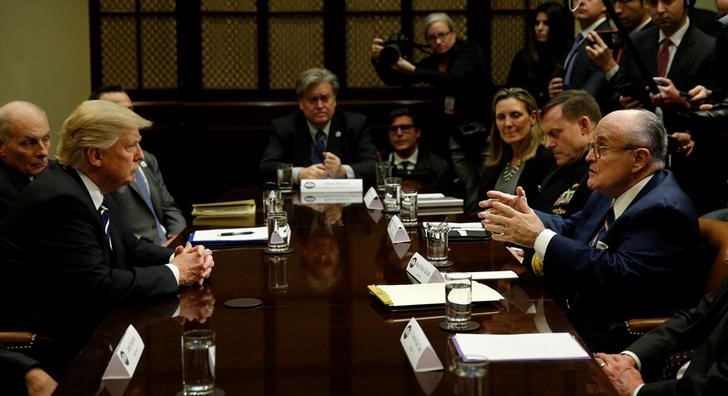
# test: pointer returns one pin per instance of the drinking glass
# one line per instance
(198, 362)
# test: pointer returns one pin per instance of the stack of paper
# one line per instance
(229, 236)
(461, 231)
(437, 200)
(220, 214)
(423, 294)
(503, 347)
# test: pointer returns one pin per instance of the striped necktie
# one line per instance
(105, 215)
(608, 221)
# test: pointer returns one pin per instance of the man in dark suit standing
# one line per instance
(633, 14)
(579, 71)
(702, 329)
(630, 251)
(568, 121)
(65, 248)
(146, 203)
(418, 167)
(24, 140)
(318, 140)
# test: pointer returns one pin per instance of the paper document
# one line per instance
(503, 347)
(222, 236)
(437, 200)
(426, 294)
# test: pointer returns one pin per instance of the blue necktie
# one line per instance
(608, 221)
(319, 146)
(147, 196)
(105, 220)
(569, 62)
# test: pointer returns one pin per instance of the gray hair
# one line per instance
(649, 132)
(438, 17)
(316, 76)
(11, 110)
(95, 124)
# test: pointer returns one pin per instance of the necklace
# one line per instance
(509, 172)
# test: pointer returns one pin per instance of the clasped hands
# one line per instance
(330, 168)
(509, 218)
(194, 264)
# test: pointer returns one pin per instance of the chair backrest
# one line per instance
(715, 233)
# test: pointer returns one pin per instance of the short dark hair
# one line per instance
(574, 104)
(403, 112)
(95, 95)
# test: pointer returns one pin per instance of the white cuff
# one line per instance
(609, 74)
(175, 271)
(349, 171)
(294, 174)
(634, 357)
(542, 243)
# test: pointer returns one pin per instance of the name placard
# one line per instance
(372, 201)
(396, 231)
(126, 356)
(329, 198)
(331, 185)
(423, 271)
(418, 348)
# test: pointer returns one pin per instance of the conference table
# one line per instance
(318, 330)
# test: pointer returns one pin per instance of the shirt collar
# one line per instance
(676, 37)
(593, 26)
(622, 202)
(724, 20)
(412, 158)
(313, 130)
(94, 191)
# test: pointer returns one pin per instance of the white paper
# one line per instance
(332, 185)
(430, 196)
(372, 201)
(433, 293)
(396, 231)
(485, 275)
(307, 198)
(438, 202)
(504, 347)
(422, 270)
(418, 348)
(231, 235)
(126, 356)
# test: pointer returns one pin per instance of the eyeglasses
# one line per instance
(600, 149)
(439, 36)
(404, 127)
(313, 100)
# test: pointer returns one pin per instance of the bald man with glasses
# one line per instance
(630, 252)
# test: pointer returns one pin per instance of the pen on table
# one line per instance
(235, 233)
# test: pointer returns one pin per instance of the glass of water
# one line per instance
(437, 243)
(284, 172)
(408, 207)
(392, 186)
(278, 231)
(458, 299)
(384, 170)
(198, 362)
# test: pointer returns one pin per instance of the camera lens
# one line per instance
(389, 54)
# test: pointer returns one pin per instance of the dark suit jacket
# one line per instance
(13, 367)
(564, 190)
(432, 171)
(534, 171)
(704, 329)
(56, 253)
(11, 183)
(140, 219)
(646, 268)
(348, 139)
(588, 76)
(692, 64)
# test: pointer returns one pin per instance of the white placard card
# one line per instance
(397, 233)
(372, 201)
(331, 185)
(423, 271)
(418, 349)
(126, 356)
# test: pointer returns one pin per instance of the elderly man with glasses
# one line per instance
(631, 251)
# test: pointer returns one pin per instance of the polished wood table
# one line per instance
(319, 332)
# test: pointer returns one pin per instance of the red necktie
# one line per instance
(663, 57)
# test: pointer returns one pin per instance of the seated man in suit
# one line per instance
(702, 329)
(319, 140)
(24, 140)
(630, 251)
(64, 244)
(418, 167)
(145, 202)
(568, 121)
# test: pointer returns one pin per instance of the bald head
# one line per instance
(24, 137)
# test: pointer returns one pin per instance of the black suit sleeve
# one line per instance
(13, 367)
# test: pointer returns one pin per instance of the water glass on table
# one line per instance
(198, 362)
(392, 187)
(408, 207)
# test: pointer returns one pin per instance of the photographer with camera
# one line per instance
(462, 91)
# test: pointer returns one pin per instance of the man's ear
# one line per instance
(2, 149)
(93, 156)
(585, 125)
(642, 156)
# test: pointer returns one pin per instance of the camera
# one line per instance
(394, 46)
(609, 36)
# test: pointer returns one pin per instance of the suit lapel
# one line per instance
(681, 58)
(335, 135)
(302, 139)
